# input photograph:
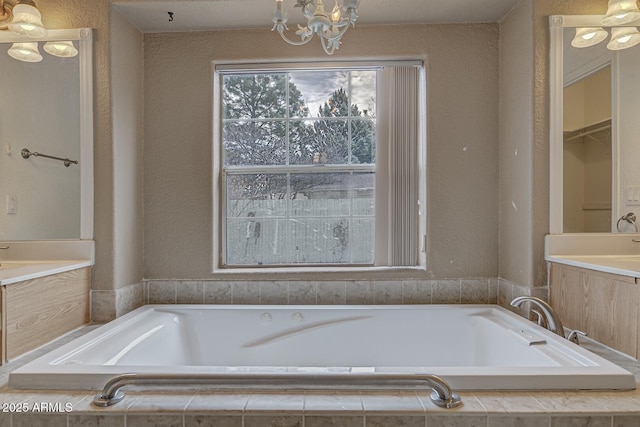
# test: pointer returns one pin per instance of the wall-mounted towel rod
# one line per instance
(26, 154)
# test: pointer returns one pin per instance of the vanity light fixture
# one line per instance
(330, 27)
(27, 20)
(26, 52)
(620, 12)
(623, 38)
(61, 49)
(586, 37)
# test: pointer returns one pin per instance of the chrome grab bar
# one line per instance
(26, 154)
(441, 395)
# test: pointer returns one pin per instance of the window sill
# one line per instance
(322, 273)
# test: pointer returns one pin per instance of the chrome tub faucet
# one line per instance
(549, 318)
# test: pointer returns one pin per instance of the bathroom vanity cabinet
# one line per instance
(604, 305)
(39, 310)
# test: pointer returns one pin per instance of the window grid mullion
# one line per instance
(349, 168)
(287, 221)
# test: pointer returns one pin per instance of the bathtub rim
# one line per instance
(606, 374)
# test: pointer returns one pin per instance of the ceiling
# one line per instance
(151, 16)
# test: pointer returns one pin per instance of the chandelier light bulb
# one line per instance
(336, 13)
(27, 21)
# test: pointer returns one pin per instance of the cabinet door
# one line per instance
(605, 306)
(567, 296)
(40, 310)
(611, 311)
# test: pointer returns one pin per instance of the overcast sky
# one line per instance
(317, 87)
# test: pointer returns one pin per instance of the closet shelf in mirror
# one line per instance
(596, 206)
(587, 130)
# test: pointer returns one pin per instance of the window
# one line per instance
(297, 151)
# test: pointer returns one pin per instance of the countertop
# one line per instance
(26, 260)
(624, 265)
(615, 253)
(14, 272)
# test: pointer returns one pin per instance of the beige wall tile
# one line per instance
(359, 292)
(275, 293)
(333, 421)
(331, 292)
(454, 420)
(246, 292)
(38, 420)
(387, 292)
(143, 420)
(190, 292)
(272, 421)
(416, 292)
(217, 292)
(581, 421)
(395, 421)
(445, 292)
(518, 421)
(474, 291)
(212, 421)
(302, 292)
(97, 420)
(161, 292)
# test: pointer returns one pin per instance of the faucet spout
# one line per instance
(553, 321)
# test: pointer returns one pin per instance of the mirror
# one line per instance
(46, 115)
(594, 177)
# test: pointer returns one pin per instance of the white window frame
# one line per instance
(382, 259)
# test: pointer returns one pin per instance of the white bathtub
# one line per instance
(473, 347)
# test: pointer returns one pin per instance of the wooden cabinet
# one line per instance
(37, 311)
(603, 305)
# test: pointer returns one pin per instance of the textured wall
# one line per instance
(524, 122)
(128, 136)
(462, 74)
(516, 144)
(463, 81)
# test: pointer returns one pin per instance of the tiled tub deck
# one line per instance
(316, 409)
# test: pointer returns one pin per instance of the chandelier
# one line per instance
(330, 27)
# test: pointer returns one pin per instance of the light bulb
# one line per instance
(26, 52)
(62, 49)
(623, 38)
(586, 37)
(27, 21)
(620, 12)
